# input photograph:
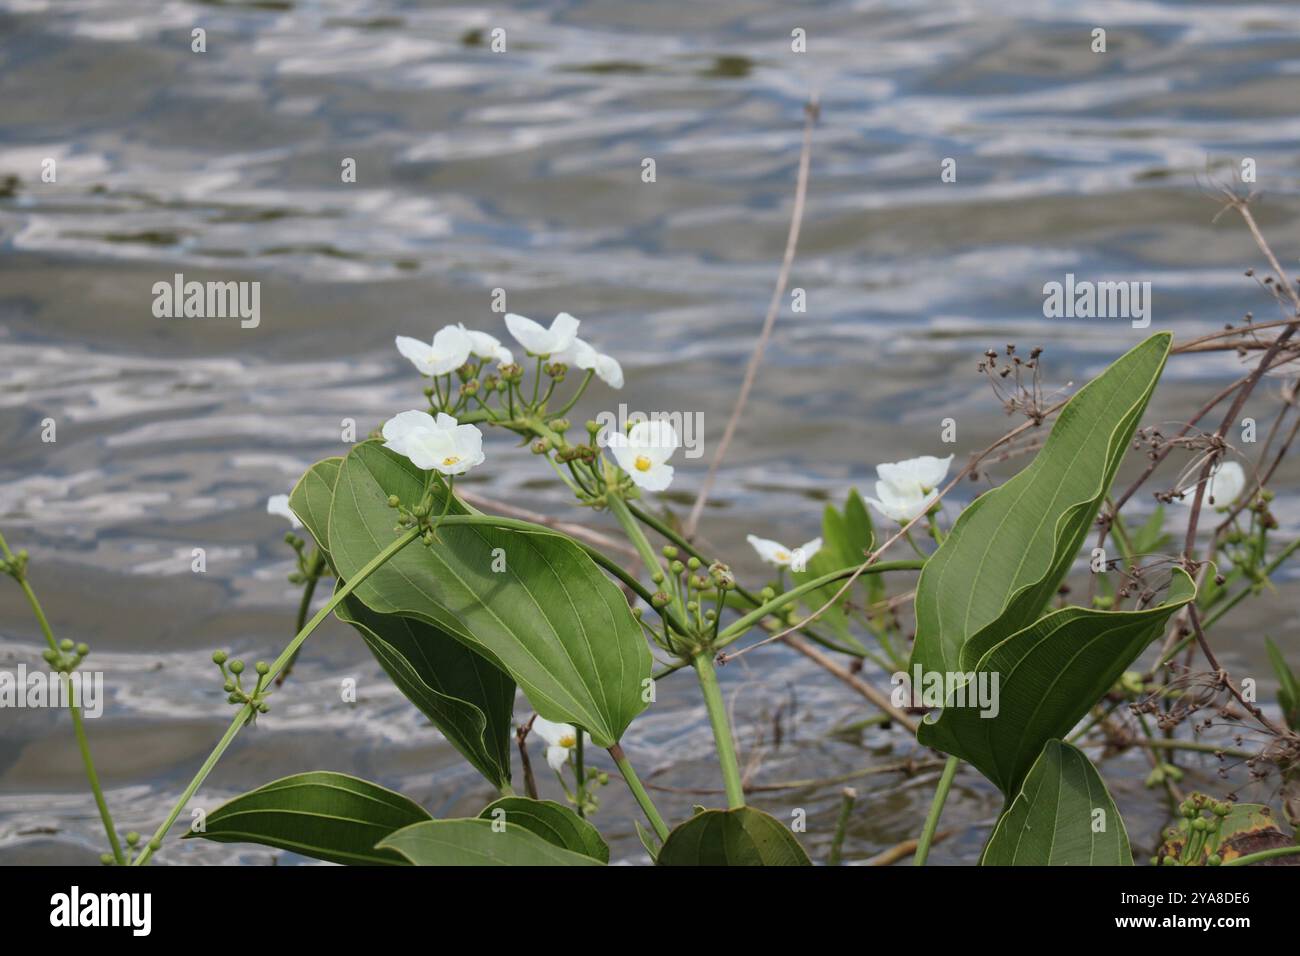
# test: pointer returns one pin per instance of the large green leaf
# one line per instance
(740, 837)
(329, 816)
(552, 822)
(464, 695)
(1009, 550)
(1047, 677)
(1288, 689)
(479, 843)
(549, 617)
(1062, 816)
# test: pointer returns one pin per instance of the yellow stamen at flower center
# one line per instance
(450, 460)
(782, 556)
(643, 463)
(569, 740)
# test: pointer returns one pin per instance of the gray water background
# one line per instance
(521, 170)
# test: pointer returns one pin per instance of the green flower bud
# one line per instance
(106, 859)
(155, 844)
(659, 599)
(218, 657)
(50, 656)
(234, 699)
(657, 577)
(236, 666)
(693, 563)
(394, 501)
(676, 567)
(228, 687)
(83, 649)
(132, 838)
(767, 594)
(262, 667)
(1215, 860)
(670, 552)
(263, 707)
(1199, 825)
(66, 644)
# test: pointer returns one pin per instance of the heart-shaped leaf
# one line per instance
(325, 815)
(1036, 684)
(1062, 816)
(534, 603)
(740, 837)
(479, 843)
(464, 695)
(1009, 550)
(552, 822)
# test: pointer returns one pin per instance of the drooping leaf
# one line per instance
(1041, 681)
(552, 822)
(325, 815)
(740, 837)
(1288, 690)
(479, 843)
(533, 603)
(1062, 816)
(1008, 551)
(464, 695)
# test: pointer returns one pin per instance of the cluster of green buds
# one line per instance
(1195, 841)
(15, 566)
(310, 563)
(132, 849)
(232, 671)
(689, 586)
(422, 514)
(590, 799)
(68, 657)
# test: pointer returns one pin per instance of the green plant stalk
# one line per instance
(618, 508)
(848, 798)
(304, 605)
(78, 726)
(246, 712)
(1262, 855)
(722, 740)
(638, 791)
(936, 810)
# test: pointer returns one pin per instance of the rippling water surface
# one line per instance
(522, 170)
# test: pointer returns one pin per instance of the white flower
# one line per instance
(279, 505)
(926, 471)
(450, 350)
(906, 489)
(585, 357)
(1226, 483)
(560, 739)
(486, 346)
(539, 340)
(439, 443)
(774, 552)
(644, 452)
(902, 503)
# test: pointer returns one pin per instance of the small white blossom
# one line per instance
(538, 339)
(774, 552)
(484, 346)
(449, 350)
(1226, 483)
(560, 740)
(582, 355)
(906, 489)
(279, 505)
(439, 443)
(644, 452)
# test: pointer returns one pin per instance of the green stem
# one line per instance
(717, 708)
(246, 712)
(1262, 855)
(576, 395)
(936, 810)
(848, 797)
(78, 726)
(638, 792)
(304, 605)
(582, 780)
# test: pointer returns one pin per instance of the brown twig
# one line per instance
(811, 111)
